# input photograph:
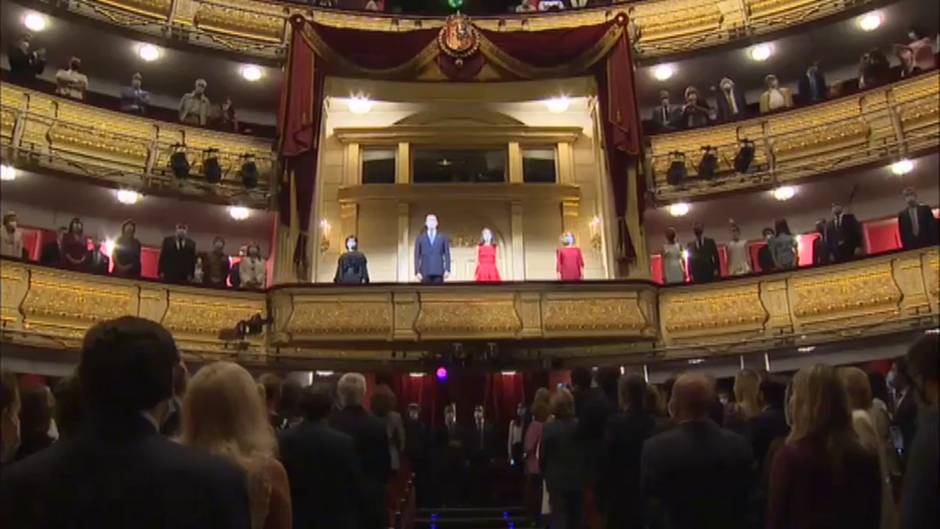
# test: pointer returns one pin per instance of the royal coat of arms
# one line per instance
(458, 39)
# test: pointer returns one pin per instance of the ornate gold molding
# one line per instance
(658, 28)
(869, 297)
(123, 150)
(873, 126)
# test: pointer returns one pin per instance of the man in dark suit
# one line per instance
(697, 474)
(450, 459)
(482, 447)
(371, 440)
(843, 235)
(432, 253)
(731, 103)
(812, 85)
(905, 403)
(178, 256)
(820, 245)
(704, 265)
(418, 451)
(916, 223)
(665, 115)
(98, 262)
(51, 253)
(765, 259)
(119, 472)
(322, 467)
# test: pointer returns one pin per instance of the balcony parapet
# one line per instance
(43, 131)
(876, 126)
(620, 321)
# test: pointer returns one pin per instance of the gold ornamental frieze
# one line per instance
(866, 294)
(454, 316)
(596, 315)
(330, 317)
(713, 311)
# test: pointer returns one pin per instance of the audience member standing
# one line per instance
(217, 264)
(11, 239)
(626, 433)
(770, 424)
(273, 387)
(322, 467)
(905, 404)
(783, 246)
(98, 262)
(69, 413)
(51, 253)
(916, 223)
(71, 82)
(418, 451)
(35, 421)
(383, 406)
(450, 460)
(919, 506)
(821, 254)
(75, 246)
(746, 403)
(564, 463)
(843, 235)
(823, 476)
(25, 63)
(110, 474)
(177, 256)
(540, 410)
(704, 265)
(9, 416)
(223, 415)
(252, 268)
(371, 439)
(700, 474)
(126, 252)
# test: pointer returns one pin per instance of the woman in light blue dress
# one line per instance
(673, 262)
(783, 246)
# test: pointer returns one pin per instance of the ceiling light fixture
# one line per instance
(662, 72)
(35, 21)
(761, 52)
(148, 52)
(784, 193)
(870, 21)
(239, 212)
(359, 104)
(128, 197)
(902, 167)
(679, 209)
(251, 72)
(557, 105)
(7, 173)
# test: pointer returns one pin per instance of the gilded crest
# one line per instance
(458, 38)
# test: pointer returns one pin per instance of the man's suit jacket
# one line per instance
(700, 474)
(371, 439)
(177, 265)
(324, 474)
(123, 474)
(51, 254)
(762, 429)
(98, 263)
(805, 88)
(704, 264)
(619, 479)
(417, 444)
(432, 259)
(843, 238)
(926, 228)
(450, 448)
(821, 251)
(905, 418)
(665, 120)
(725, 113)
(563, 456)
(483, 446)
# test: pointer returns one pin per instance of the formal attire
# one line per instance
(821, 251)
(74, 252)
(731, 104)
(775, 99)
(177, 259)
(672, 263)
(216, 268)
(482, 447)
(739, 259)
(432, 256)
(765, 259)
(324, 474)
(702, 476)
(396, 439)
(126, 255)
(531, 445)
(194, 108)
(807, 491)
(514, 446)
(619, 487)
(11, 243)
(704, 264)
(51, 254)
(569, 263)
(24, 65)
(98, 263)
(693, 116)
(352, 269)
(370, 437)
(844, 237)
(418, 452)
(117, 474)
(905, 419)
(665, 116)
(134, 100)
(252, 271)
(564, 465)
(71, 83)
(812, 87)
(919, 506)
(487, 271)
(450, 465)
(917, 226)
(783, 251)
(762, 430)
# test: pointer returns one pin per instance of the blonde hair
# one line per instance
(541, 404)
(224, 414)
(857, 387)
(746, 391)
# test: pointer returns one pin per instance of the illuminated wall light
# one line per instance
(679, 209)
(696, 361)
(784, 192)
(508, 373)
(870, 21)
(324, 373)
(359, 105)
(932, 331)
(623, 370)
(662, 72)
(128, 197)
(239, 212)
(761, 52)
(557, 105)
(35, 21)
(7, 173)
(148, 52)
(806, 349)
(902, 167)
(251, 72)
(416, 375)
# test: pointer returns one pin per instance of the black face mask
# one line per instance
(698, 233)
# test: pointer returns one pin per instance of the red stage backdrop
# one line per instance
(459, 50)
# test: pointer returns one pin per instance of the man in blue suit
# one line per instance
(432, 253)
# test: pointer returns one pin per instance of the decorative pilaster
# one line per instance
(515, 163)
(403, 163)
(405, 273)
(518, 241)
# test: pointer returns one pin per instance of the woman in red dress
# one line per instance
(486, 259)
(75, 246)
(570, 264)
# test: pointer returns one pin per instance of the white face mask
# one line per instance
(431, 223)
(351, 245)
(569, 240)
(487, 236)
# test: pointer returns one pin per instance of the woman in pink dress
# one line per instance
(570, 264)
(486, 259)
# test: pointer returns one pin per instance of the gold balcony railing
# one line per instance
(873, 126)
(621, 321)
(123, 150)
(258, 27)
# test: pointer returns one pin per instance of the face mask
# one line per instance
(180, 233)
(891, 379)
(698, 232)
(478, 415)
(431, 224)
(449, 418)
(836, 211)
(768, 236)
(12, 225)
(569, 240)
(413, 415)
(487, 236)
(219, 246)
(520, 412)
(911, 200)
(351, 245)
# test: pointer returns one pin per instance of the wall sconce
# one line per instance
(325, 229)
(595, 226)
